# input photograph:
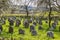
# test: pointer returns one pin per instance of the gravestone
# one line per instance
(34, 33)
(32, 28)
(50, 34)
(21, 31)
(11, 30)
(18, 22)
(35, 23)
(26, 23)
(40, 27)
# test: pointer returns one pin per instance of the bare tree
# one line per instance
(48, 3)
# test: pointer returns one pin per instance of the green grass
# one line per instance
(41, 33)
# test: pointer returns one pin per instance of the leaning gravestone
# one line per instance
(53, 25)
(50, 34)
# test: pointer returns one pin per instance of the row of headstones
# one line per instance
(12, 19)
(26, 22)
(21, 31)
(32, 30)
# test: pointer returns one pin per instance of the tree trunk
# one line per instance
(27, 10)
(50, 9)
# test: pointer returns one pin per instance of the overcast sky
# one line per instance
(32, 3)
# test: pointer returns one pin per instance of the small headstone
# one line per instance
(50, 34)
(34, 23)
(11, 22)
(34, 33)
(18, 22)
(26, 23)
(21, 31)
(53, 25)
(11, 30)
(40, 28)
(32, 28)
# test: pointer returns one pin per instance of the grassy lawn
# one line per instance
(42, 34)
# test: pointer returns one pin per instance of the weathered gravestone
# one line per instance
(50, 34)
(18, 22)
(26, 23)
(32, 27)
(33, 33)
(21, 31)
(11, 30)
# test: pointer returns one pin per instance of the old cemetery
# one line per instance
(28, 28)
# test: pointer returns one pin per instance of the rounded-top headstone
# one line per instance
(40, 27)
(34, 33)
(26, 23)
(21, 31)
(32, 27)
(50, 34)
(18, 22)
(11, 21)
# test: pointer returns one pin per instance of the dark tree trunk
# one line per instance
(50, 9)
(27, 10)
